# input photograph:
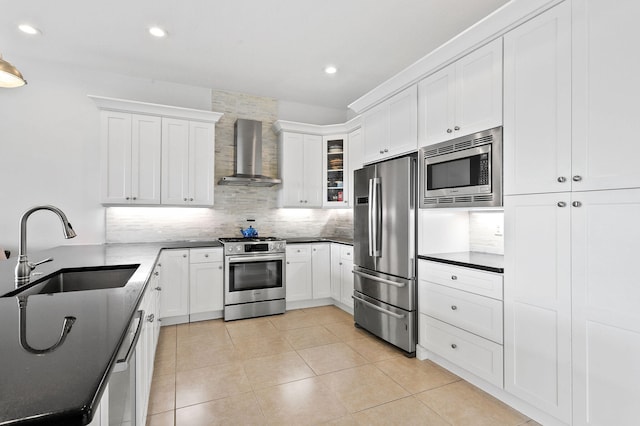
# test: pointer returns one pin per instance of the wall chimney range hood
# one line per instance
(248, 158)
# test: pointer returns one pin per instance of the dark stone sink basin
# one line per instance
(79, 279)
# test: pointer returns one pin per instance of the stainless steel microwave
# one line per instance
(463, 172)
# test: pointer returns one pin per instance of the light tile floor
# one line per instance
(308, 366)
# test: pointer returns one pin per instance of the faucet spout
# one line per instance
(24, 267)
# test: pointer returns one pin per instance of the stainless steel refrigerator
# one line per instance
(385, 296)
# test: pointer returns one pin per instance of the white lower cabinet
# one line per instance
(299, 285)
(537, 299)
(192, 283)
(342, 274)
(308, 273)
(206, 283)
(605, 296)
(174, 281)
(320, 267)
(461, 317)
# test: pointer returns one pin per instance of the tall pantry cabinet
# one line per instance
(572, 203)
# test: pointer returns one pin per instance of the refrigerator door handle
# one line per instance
(370, 218)
(376, 215)
(378, 279)
(378, 308)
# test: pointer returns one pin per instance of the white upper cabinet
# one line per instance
(537, 104)
(301, 170)
(156, 154)
(390, 129)
(188, 150)
(463, 98)
(606, 90)
(130, 145)
(356, 160)
(335, 171)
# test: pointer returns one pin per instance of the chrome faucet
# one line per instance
(24, 267)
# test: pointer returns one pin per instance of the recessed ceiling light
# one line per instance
(157, 32)
(28, 29)
(330, 69)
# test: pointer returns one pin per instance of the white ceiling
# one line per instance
(273, 48)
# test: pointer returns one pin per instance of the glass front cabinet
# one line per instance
(335, 171)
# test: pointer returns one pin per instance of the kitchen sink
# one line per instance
(79, 279)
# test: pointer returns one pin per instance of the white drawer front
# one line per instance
(477, 314)
(299, 251)
(472, 280)
(205, 255)
(480, 356)
(346, 252)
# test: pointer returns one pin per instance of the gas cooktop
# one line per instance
(248, 239)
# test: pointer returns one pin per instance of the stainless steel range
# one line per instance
(254, 277)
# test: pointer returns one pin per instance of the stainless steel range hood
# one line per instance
(248, 159)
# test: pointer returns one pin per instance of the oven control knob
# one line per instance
(238, 248)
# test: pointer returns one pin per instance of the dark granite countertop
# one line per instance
(64, 386)
(303, 240)
(471, 259)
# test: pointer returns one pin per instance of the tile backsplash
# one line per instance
(233, 205)
(486, 231)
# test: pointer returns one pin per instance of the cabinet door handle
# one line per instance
(185, 199)
(577, 178)
(453, 277)
(454, 307)
(184, 255)
(135, 198)
(288, 263)
(576, 204)
(158, 288)
(126, 198)
(456, 128)
(190, 199)
(453, 346)
(151, 317)
(206, 255)
(449, 131)
(562, 204)
(159, 264)
(381, 151)
(562, 179)
(156, 273)
(340, 263)
(386, 150)
(219, 267)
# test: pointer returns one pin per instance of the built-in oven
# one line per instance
(463, 172)
(254, 277)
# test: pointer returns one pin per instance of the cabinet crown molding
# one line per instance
(125, 105)
(484, 31)
(316, 129)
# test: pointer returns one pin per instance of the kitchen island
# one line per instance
(65, 385)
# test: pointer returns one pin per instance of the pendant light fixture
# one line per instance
(9, 75)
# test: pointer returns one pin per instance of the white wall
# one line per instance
(310, 114)
(49, 153)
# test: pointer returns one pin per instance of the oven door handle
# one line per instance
(378, 308)
(259, 258)
(378, 279)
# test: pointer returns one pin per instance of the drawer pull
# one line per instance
(380, 280)
(378, 308)
(453, 346)
(453, 277)
(206, 255)
(158, 288)
(454, 307)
